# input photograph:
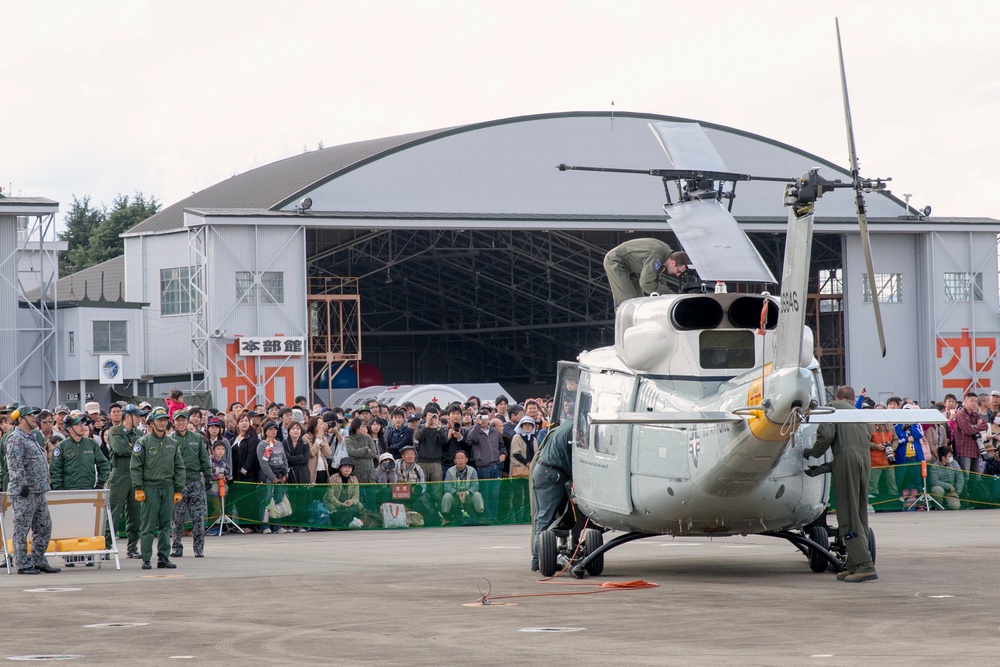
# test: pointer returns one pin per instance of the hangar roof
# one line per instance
(269, 186)
(278, 185)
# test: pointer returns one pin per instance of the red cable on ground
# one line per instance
(605, 587)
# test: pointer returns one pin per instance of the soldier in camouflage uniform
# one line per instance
(157, 470)
(193, 501)
(121, 439)
(78, 463)
(29, 480)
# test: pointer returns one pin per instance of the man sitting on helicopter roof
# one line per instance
(635, 267)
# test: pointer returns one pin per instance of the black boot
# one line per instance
(164, 562)
(177, 552)
(146, 565)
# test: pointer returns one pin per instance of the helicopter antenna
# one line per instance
(860, 187)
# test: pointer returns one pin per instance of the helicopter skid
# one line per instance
(805, 544)
(579, 567)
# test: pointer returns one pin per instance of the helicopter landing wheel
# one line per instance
(817, 559)
(547, 553)
(594, 540)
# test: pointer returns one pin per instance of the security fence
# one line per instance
(900, 487)
(495, 501)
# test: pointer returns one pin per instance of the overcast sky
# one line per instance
(166, 98)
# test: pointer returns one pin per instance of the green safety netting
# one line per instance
(888, 485)
(246, 503)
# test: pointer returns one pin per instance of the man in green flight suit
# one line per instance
(157, 469)
(851, 471)
(77, 463)
(4, 472)
(196, 463)
(121, 439)
(551, 471)
(635, 267)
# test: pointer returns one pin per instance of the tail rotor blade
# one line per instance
(859, 198)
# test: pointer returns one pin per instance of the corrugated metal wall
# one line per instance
(255, 249)
(9, 384)
(917, 365)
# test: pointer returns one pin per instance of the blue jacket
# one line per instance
(906, 453)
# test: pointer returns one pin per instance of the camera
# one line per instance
(982, 445)
(890, 452)
(388, 465)
(457, 426)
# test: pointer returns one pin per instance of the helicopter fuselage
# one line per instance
(683, 360)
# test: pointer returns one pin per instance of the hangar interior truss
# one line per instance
(483, 304)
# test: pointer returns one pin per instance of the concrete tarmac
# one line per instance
(396, 597)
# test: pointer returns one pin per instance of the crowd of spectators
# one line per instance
(963, 466)
(450, 458)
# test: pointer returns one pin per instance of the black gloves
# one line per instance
(816, 471)
(24, 491)
(208, 485)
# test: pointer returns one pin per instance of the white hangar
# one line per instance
(464, 255)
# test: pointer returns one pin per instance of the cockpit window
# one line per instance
(722, 348)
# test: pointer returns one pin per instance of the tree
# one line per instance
(94, 235)
(81, 222)
(106, 241)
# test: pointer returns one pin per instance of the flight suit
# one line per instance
(551, 471)
(157, 468)
(634, 268)
(196, 463)
(28, 469)
(78, 465)
(851, 470)
(120, 443)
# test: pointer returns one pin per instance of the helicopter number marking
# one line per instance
(789, 301)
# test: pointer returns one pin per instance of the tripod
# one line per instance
(224, 520)
(923, 496)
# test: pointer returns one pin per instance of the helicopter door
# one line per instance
(609, 480)
(567, 384)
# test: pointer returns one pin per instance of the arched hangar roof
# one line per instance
(507, 167)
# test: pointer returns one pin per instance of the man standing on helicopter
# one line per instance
(635, 267)
(851, 473)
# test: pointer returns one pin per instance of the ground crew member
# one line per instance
(550, 473)
(196, 463)
(851, 473)
(29, 480)
(635, 267)
(121, 439)
(78, 463)
(4, 476)
(157, 470)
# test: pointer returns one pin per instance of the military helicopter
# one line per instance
(694, 422)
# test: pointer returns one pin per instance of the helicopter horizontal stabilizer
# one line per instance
(664, 418)
(719, 249)
(687, 146)
(927, 416)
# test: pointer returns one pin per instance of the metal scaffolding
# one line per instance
(198, 263)
(334, 328)
(28, 225)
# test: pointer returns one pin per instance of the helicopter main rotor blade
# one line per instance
(859, 198)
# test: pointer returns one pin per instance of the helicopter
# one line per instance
(694, 422)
